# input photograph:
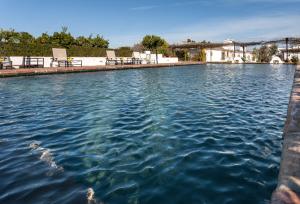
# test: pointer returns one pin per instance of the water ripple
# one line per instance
(198, 134)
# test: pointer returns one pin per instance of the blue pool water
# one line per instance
(194, 134)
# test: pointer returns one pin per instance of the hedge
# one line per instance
(7, 49)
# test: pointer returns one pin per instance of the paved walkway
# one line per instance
(61, 70)
(288, 189)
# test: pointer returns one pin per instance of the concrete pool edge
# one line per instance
(64, 70)
(288, 188)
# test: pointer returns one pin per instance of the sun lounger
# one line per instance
(60, 56)
(136, 58)
(5, 63)
(111, 57)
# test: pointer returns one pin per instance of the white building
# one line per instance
(230, 53)
(292, 52)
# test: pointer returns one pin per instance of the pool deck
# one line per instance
(64, 70)
(288, 189)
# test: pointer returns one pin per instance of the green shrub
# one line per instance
(295, 60)
(14, 43)
(8, 49)
(181, 54)
(124, 52)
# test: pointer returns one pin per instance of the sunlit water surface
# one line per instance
(197, 134)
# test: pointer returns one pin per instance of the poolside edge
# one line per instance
(64, 70)
(288, 188)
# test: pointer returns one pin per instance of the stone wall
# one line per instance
(288, 189)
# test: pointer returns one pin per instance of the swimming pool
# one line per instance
(191, 134)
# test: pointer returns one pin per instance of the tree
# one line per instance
(295, 59)
(165, 49)
(23, 43)
(44, 39)
(202, 55)
(273, 50)
(63, 38)
(100, 42)
(190, 41)
(25, 38)
(138, 47)
(265, 53)
(83, 41)
(255, 54)
(153, 42)
(180, 54)
(9, 36)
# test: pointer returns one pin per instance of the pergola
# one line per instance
(205, 45)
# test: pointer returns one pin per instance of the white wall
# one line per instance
(91, 61)
(291, 55)
(94, 61)
(18, 61)
(213, 55)
(168, 60)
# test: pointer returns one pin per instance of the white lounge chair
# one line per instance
(60, 56)
(111, 57)
(136, 58)
(5, 63)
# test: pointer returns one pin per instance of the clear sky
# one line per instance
(125, 22)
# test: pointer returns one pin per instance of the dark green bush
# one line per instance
(8, 49)
(124, 52)
(295, 60)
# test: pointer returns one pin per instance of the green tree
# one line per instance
(100, 42)
(165, 49)
(153, 42)
(264, 53)
(9, 36)
(83, 41)
(180, 54)
(273, 50)
(203, 55)
(25, 38)
(138, 47)
(23, 43)
(63, 38)
(295, 60)
(255, 54)
(44, 39)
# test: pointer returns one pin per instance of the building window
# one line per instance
(223, 56)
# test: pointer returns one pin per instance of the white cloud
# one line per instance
(217, 29)
(252, 28)
(143, 8)
(267, 1)
(209, 2)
